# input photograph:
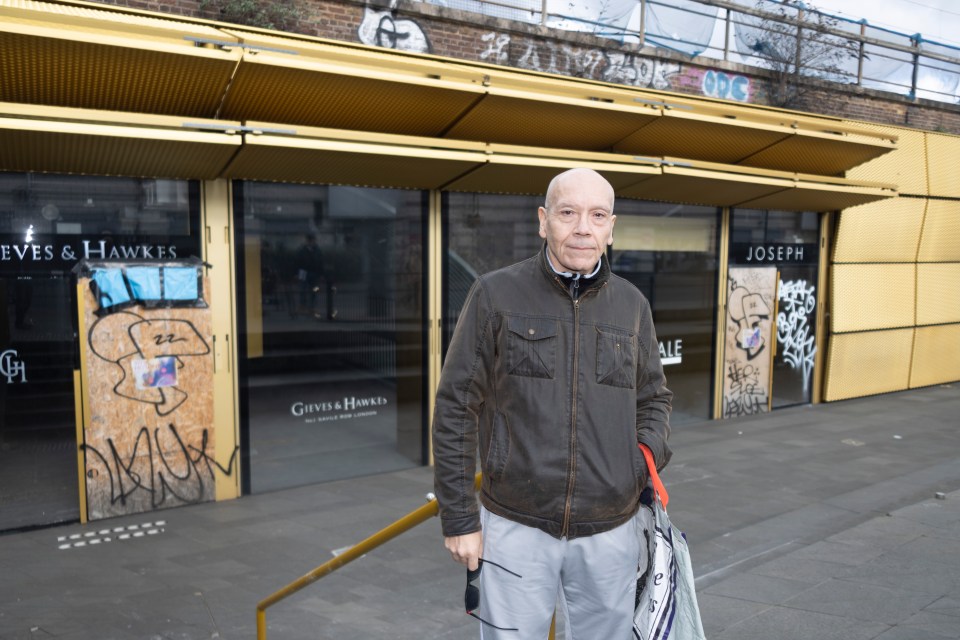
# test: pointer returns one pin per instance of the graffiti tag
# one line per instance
(717, 84)
(382, 29)
(581, 62)
(746, 395)
(797, 302)
(180, 475)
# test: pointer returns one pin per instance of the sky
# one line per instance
(937, 20)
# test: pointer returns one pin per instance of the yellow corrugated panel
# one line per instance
(302, 159)
(872, 296)
(936, 356)
(105, 149)
(864, 364)
(905, 167)
(525, 118)
(76, 55)
(940, 241)
(119, 72)
(508, 173)
(687, 134)
(103, 19)
(884, 231)
(703, 186)
(818, 196)
(818, 152)
(305, 91)
(938, 293)
(943, 157)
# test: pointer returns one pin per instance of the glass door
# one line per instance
(790, 242)
(48, 223)
(332, 332)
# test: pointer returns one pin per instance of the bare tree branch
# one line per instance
(793, 42)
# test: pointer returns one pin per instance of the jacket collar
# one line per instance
(586, 283)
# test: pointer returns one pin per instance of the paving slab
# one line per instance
(793, 534)
(784, 623)
(862, 601)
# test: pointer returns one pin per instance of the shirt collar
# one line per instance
(568, 274)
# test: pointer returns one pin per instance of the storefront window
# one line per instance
(668, 251)
(47, 224)
(790, 243)
(483, 233)
(331, 315)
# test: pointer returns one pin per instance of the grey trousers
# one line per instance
(595, 578)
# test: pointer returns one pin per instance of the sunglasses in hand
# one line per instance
(471, 598)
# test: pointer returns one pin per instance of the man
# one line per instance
(553, 377)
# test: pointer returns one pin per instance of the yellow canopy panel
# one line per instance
(687, 134)
(317, 156)
(316, 93)
(88, 61)
(814, 196)
(524, 118)
(507, 173)
(121, 60)
(736, 186)
(96, 142)
(822, 153)
(105, 149)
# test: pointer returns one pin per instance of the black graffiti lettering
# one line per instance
(186, 486)
(165, 399)
(747, 395)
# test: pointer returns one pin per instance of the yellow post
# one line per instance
(405, 523)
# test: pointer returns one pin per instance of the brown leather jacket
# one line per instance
(556, 391)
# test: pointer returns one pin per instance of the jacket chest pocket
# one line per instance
(531, 346)
(616, 358)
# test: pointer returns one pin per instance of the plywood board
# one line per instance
(148, 440)
(749, 346)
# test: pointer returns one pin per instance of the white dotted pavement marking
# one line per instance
(76, 540)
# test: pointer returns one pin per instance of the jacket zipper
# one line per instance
(565, 525)
(564, 531)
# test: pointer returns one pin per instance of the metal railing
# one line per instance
(407, 522)
(873, 57)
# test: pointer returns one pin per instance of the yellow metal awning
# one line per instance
(54, 139)
(63, 140)
(814, 195)
(715, 184)
(352, 158)
(99, 59)
(89, 143)
(316, 92)
(695, 132)
(827, 153)
(119, 60)
(685, 133)
(528, 170)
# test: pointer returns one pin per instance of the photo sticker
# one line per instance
(155, 372)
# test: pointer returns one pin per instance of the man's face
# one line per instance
(578, 223)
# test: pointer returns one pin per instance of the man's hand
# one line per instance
(466, 549)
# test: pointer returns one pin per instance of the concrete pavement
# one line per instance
(812, 522)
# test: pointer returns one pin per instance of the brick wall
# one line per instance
(426, 28)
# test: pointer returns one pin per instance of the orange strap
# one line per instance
(654, 476)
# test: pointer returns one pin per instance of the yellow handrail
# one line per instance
(405, 523)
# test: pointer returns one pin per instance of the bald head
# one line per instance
(577, 220)
(576, 179)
